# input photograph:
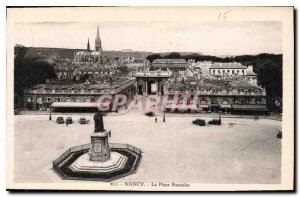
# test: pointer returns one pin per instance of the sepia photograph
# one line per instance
(150, 98)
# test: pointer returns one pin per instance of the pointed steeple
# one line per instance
(98, 46)
(98, 35)
(88, 45)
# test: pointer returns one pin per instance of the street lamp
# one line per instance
(50, 118)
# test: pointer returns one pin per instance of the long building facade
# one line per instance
(234, 69)
(236, 96)
(174, 65)
(42, 96)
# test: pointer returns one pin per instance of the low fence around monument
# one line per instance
(64, 157)
(80, 147)
(128, 146)
(87, 146)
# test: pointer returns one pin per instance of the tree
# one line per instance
(173, 55)
(201, 58)
(84, 77)
(28, 72)
(268, 68)
(153, 57)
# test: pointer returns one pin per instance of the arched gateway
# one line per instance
(151, 82)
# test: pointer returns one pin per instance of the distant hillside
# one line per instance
(50, 52)
(181, 53)
(127, 53)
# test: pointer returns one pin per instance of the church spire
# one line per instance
(98, 46)
(88, 45)
(98, 35)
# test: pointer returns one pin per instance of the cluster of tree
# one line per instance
(211, 58)
(195, 56)
(84, 77)
(28, 71)
(269, 70)
(269, 74)
(268, 67)
(153, 57)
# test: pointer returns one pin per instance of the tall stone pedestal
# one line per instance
(100, 150)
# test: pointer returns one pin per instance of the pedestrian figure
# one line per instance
(155, 120)
(66, 123)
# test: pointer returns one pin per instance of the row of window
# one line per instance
(59, 99)
(235, 101)
(223, 91)
(79, 90)
(224, 102)
(228, 71)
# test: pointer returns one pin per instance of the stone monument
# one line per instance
(100, 150)
(98, 160)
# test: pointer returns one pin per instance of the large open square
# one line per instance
(243, 151)
(150, 98)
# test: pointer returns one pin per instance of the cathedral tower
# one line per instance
(98, 46)
(88, 45)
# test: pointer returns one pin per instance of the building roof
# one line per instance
(87, 53)
(250, 107)
(250, 72)
(95, 53)
(215, 85)
(81, 104)
(169, 61)
(74, 104)
(161, 65)
(231, 65)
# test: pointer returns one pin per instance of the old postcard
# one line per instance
(150, 98)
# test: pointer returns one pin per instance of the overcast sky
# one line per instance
(210, 38)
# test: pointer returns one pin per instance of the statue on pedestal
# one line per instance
(100, 150)
(99, 125)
